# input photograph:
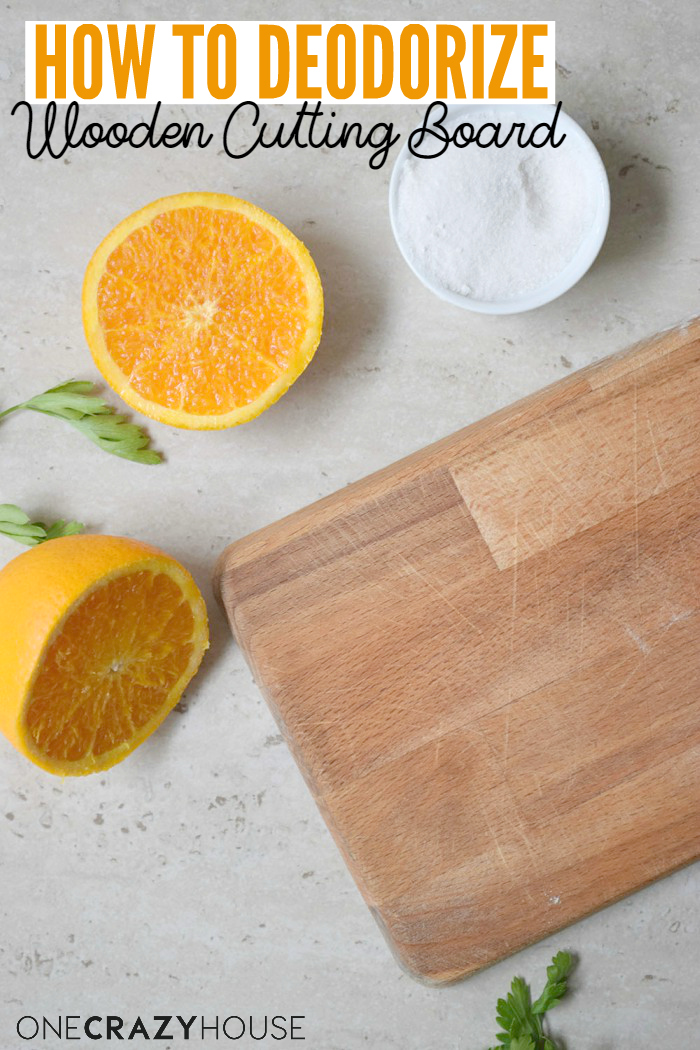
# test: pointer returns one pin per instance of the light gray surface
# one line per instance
(197, 877)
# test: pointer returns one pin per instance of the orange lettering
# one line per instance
(370, 34)
(217, 32)
(509, 32)
(478, 62)
(418, 32)
(188, 33)
(267, 89)
(130, 59)
(44, 60)
(332, 62)
(305, 61)
(531, 61)
(445, 63)
(79, 83)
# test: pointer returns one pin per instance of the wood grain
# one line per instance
(486, 660)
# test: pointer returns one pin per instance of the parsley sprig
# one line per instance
(18, 526)
(78, 405)
(521, 1020)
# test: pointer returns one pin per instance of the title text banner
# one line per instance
(332, 62)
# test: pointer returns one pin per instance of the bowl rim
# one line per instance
(588, 249)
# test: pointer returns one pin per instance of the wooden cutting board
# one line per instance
(486, 660)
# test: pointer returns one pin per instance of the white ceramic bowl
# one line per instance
(589, 247)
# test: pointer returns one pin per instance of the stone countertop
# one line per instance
(198, 877)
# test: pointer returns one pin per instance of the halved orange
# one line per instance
(201, 310)
(98, 638)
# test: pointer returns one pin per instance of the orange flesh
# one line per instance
(202, 309)
(111, 666)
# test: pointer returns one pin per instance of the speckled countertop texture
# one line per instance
(198, 877)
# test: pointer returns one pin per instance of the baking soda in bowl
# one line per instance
(501, 225)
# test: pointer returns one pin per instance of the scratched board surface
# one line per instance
(486, 660)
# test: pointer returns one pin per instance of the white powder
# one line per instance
(495, 224)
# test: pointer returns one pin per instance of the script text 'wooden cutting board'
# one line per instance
(486, 660)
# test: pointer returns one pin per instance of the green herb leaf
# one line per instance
(519, 1003)
(520, 1019)
(18, 526)
(12, 515)
(555, 987)
(64, 528)
(80, 407)
(523, 1042)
